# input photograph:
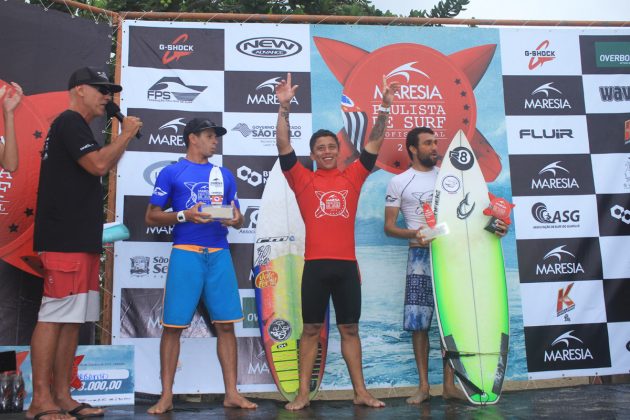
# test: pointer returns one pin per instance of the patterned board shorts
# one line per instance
(419, 304)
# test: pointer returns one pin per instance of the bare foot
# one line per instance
(368, 400)
(164, 405)
(419, 397)
(453, 393)
(298, 403)
(237, 401)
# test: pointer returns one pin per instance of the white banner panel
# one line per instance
(563, 303)
(615, 263)
(544, 135)
(611, 173)
(555, 217)
(540, 52)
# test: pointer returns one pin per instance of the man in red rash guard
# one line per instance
(328, 201)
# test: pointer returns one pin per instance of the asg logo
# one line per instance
(152, 171)
(542, 215)
(462, 158)
(559, 261)
(173, 89)
(573, 350)
(465, 209)
(266, 93)
(565, 303)
(176, 49)
(620, 213)
(250, 176)
(555, 181)
(543, 98)
(279, 330)
(614, 93)
(540, 55)
(268, 47)
(552, 133)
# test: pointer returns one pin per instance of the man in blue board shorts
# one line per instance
(407, 193)
(200, 265)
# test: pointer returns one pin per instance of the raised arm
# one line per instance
(285, 92)
(378, 131)
(8, 151)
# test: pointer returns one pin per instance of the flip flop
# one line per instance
(76, 412)
(38, 416)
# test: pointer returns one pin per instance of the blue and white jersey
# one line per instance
(184, 184)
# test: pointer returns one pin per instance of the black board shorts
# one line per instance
(322, 279)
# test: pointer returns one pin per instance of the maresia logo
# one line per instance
(540, 55)
(255, 92)
(176, 48)
(269, 47)
(566, 259)
(552, 174)
(543, 95)
(133, 217)
(581, 346)
(173, 89)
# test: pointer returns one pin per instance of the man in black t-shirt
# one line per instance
(68, 234)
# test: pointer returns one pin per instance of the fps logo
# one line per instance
(173, 89)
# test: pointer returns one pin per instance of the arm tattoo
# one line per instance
(378, 131)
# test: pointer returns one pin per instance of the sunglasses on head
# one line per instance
(104, 90)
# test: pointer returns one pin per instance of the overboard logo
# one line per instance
(554, 181)
(173, 89)
(574, 349)
(556, 219)
(176, 49)
(558, 261)
(565, 303)
(546, 96)
(268, 47)
(540, 55)
(614, 93)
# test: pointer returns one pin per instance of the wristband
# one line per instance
(181, 217)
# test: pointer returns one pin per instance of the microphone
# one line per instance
(113, 110)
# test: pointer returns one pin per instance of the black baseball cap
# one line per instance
(197, 125)
(92, 76)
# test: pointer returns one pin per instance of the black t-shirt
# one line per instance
(69, 215)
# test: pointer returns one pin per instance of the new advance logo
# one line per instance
(269, 47)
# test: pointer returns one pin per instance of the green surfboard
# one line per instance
(469, 277)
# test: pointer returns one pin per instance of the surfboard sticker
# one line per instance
(277, 278)
(469, 282)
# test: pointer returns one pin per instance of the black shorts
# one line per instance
(325, 278)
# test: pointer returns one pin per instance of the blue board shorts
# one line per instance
(419, 303)
(200, 274)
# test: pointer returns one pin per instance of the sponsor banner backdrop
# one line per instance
(563, 125)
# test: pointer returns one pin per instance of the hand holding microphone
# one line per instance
(113, 110)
